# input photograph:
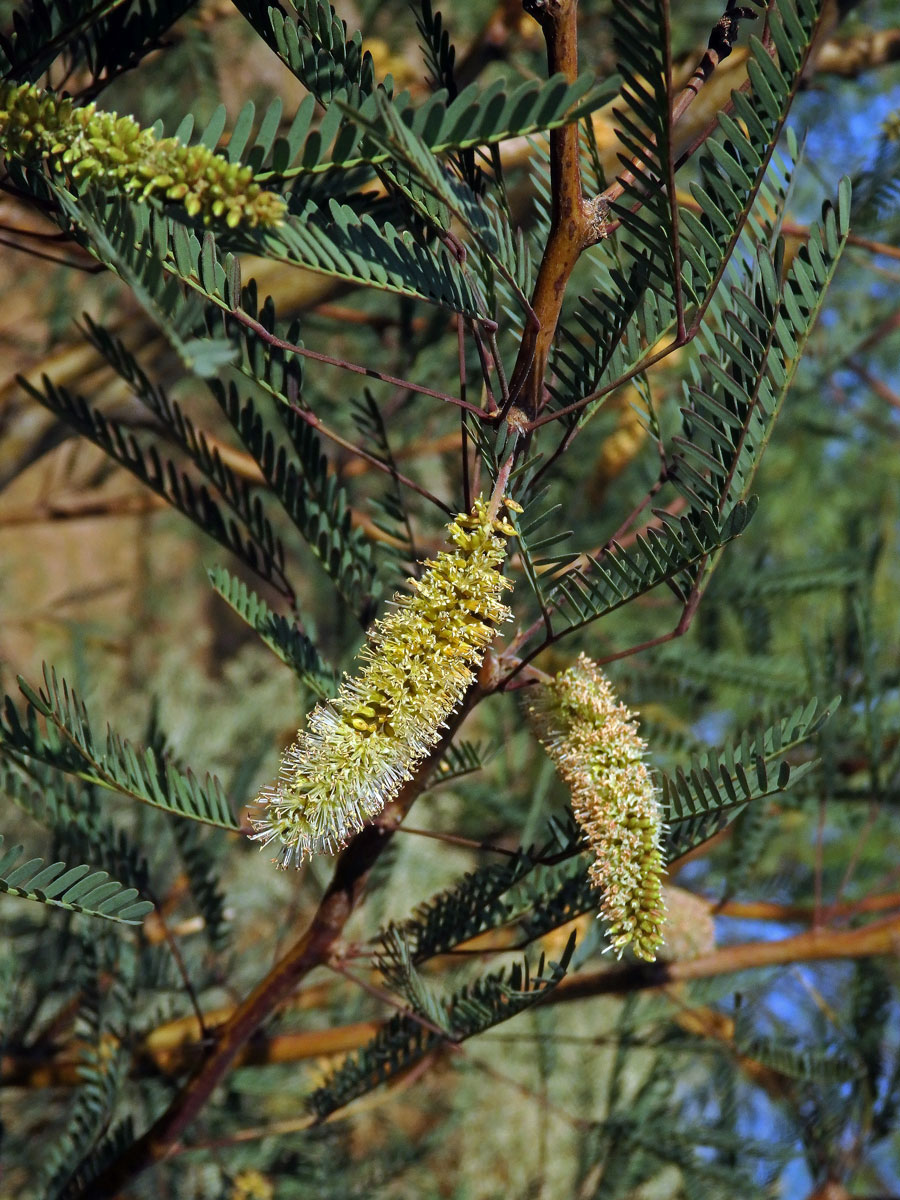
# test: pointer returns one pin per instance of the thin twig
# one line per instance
(490, 401)
(721, 40)
(693, 329)
(386, 998)
(309, 417)
(669, 165)
(180, 964)
(87, 268)
(570, 221)
(272, 339)
(453, 839)
(463, 392)
(313, 949)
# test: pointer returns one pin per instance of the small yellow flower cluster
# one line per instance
(359, 749)
(250, 1184)
(594, 742)
(116, 152)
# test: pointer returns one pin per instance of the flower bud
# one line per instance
(118, 154)
(594, 742)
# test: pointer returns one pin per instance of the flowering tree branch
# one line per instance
(353, 759)
(313, 949)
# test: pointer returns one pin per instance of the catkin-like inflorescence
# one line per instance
(594, 742)
(361, 747)
(116, 152)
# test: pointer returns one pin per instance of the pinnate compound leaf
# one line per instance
(700, 799)
(67, 742)
(79, 889)
(406, 1039)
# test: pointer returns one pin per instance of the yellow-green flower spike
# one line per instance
(359, 749)
(594, 742)
(116, 152)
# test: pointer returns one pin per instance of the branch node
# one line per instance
(726, 29)
(597, 220)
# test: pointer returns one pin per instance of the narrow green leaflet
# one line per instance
(478, 902)
(106, 36)
(312, 42)
(405, 1039)
(300, 477)
(68, 744)
(246, 531)
(696, 801)
(634, 305)
(340, 242)
(609, 580)
(79, 889)
(155, 253)
(81, 829)
(414, 170)
(281, 635)
(644, 55)
(476, 117)
(732, 411)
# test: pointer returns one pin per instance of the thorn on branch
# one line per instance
(535, 8)
(597, 212)
(725, 31)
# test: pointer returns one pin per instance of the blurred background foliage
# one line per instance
(101, 580)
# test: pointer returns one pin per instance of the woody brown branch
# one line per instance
(878, 938)
(173, 1046)
(313, 949)
(575, 222)
(569, 218)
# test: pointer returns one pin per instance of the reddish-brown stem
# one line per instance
(569, 220)
(310, 418)
(181, 966)
(463, 391)
(172, 1045)
(688, 612)
(314, 948)
(310, 951)
(600, 205)
(407, 384)
(490, 402)
(816, 945)
(453, 839)
(684, 623)
(585, 560)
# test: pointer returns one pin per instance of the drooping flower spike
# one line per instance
(594, 743)
(359, 749)
(115, 151)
